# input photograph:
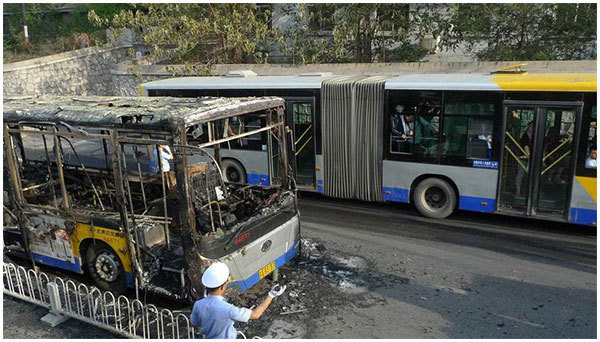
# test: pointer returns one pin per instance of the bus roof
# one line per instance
(580, 82)
(514, 82)
(128, 112)
(229, 82)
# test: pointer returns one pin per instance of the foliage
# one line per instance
(50, 31)
(79, 22)
(198, 34)
(361, 33)
(201, 34)
(406, 52)
(524, 31)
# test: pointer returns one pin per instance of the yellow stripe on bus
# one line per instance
(589, 184)
(546, 82)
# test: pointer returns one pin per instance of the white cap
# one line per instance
(215, 275)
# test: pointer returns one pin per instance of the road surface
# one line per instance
(373, 270)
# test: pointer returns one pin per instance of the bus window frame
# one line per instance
(589, 101)
(440, 159)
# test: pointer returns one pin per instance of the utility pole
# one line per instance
(26, 42)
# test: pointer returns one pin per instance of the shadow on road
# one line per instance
(493, 307)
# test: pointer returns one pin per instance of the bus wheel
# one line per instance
(233, 171)
(105, 267)
(435, 198)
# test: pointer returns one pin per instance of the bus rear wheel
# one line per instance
(435, 198)
(233, 171)
(105, 267)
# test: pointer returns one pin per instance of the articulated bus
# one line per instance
(508, 142)
(126, 191)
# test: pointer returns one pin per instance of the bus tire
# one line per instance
(233, 171)
(435, 198)
(105, 267)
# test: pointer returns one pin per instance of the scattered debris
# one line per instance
(293, 312)
(321, 281)
(281, 329)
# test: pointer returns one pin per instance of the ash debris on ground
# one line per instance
(319, 282)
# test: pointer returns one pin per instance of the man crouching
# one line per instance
(214, 314)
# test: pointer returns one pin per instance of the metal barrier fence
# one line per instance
(130, 318)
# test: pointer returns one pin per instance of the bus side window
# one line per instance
(468, 129)
(414, 123)
(37, 166)
(255, 142)
(87, 169)
(591, 147)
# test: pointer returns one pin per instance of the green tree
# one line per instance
(524, 31)
(360, 33)
(198, 34)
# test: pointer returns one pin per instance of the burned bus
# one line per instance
(130, 190)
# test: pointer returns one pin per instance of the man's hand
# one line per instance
(277, 290)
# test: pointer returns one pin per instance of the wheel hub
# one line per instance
(232, 175)
(435, 198)
(107, 266)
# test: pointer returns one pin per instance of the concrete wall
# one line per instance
(80, 72)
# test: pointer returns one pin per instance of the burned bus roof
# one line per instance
(146, 112)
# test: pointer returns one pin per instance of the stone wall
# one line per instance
(110, 71)
(80, 72)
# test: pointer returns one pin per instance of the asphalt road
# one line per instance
(469, 276)
(382, 271)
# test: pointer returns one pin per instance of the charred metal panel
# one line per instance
(133, 112)
(220, 246)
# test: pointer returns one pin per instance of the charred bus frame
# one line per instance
(109, 212)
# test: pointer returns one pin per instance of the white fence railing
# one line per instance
(130, 318)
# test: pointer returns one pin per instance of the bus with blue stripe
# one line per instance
(508, 142)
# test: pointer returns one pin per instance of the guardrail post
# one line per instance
(54, 317)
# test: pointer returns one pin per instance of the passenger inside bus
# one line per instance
(165, 157)
(526, 145)
(590, 161)
(403, 126)
(413, 132)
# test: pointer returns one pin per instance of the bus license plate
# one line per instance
(263, 272)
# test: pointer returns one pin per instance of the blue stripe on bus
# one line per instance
(63, 264)
(395, 194)
(129, 280)
(481, 204)
(247, 283)
(254, 178)
(583, 216)
(320, 181)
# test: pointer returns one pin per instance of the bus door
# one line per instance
(538, 157)
(300, 118)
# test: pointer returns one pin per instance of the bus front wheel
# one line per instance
(105, 267)
(435, 198)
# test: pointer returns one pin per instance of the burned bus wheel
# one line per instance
(233, 171)
(105, 267)
(435, 198)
